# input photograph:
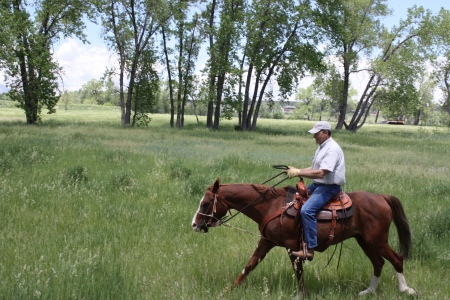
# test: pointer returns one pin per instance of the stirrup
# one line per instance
(305, 255)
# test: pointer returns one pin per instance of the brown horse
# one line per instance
(369, 224)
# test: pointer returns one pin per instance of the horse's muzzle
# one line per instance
(203, 228)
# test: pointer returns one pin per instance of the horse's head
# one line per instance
(210, 211)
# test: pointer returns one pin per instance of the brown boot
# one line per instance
(300, 254)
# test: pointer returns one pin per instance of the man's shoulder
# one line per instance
(331, 143)
(333, 146)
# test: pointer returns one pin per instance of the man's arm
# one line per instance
(307, 173)
(313, 174)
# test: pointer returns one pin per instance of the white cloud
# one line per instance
(82, 63)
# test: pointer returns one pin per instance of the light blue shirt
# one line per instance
(329, 156)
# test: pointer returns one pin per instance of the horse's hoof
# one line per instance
(228, 287)
(366, 292)
(411, 292)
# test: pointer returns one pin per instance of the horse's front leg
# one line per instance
(264, 246)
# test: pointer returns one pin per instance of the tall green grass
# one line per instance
(91, 210)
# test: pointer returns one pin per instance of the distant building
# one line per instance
(288, 109)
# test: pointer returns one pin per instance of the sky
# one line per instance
(84, 62)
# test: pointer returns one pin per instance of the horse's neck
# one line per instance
(246, 199)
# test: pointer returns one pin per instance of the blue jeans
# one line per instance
(321, 194)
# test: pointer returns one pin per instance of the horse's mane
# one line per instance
(270, 192)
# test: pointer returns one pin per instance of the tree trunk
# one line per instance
(417, 120)
(240, 91)
(30, 103)
(220, 84)
(212, 75)
(343, 104)
(246, 98)
(261, 95)
(169, 73)
(131, 83)
(366, 101)
(121, 90)
(253, 102)
(180, 75)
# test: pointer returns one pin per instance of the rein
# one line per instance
(281, 167)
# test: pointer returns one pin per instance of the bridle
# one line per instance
(214, 209)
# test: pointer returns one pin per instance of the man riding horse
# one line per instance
(369, 224)
(328, 175)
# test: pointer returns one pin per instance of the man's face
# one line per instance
(321, 136)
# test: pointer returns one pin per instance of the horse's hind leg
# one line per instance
(264, 246)
(377, 262)
(376, 254)
(397, 261)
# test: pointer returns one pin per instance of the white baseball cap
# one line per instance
(321, 125)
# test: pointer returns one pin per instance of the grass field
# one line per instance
(91, 210)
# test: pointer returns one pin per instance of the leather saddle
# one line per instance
(339, 207)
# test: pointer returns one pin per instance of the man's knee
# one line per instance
(307, 212)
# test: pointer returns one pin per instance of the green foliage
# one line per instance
(133, 43)
(27, 35)
(279, 40)
(351, 28)
(93, 92)
(278, 115)
(145, 90)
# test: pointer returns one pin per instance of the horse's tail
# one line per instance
(401, 222)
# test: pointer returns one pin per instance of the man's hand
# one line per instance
(293, 172)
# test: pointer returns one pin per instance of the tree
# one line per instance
(129, 27)
(280, 45)
(308, 103)
(329, 87)
(351, 27)
(223, 46)
(426, 93)
(93, 91)
(111, 93)
(28, 31)
(181, 64)
(442, 63)
(393, 74)
(162, 104)
(443, 75)
(147, 86)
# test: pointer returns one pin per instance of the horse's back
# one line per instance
(368, 200)
(371, 211)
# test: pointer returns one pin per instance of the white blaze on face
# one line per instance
(195, 215)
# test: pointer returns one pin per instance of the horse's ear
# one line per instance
(216, 185)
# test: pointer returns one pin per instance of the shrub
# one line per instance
(75, 175)
(5, 165)
(440, 226)
(122, 181)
